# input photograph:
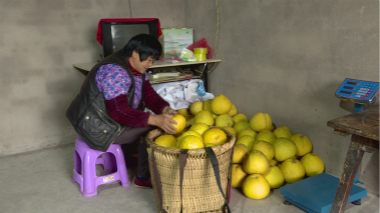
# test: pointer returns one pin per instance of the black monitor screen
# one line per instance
(115, 35)
(121, 34)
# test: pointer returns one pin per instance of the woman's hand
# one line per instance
(165, 122)
(169, 111)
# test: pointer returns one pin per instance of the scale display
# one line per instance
(358, 91)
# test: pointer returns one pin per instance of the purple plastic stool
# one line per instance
(85, 160)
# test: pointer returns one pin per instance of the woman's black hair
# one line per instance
(146, 45)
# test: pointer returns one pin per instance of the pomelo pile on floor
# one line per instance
(265, 157)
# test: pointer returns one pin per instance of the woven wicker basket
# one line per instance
(200, 192)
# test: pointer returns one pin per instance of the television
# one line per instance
(115, 33)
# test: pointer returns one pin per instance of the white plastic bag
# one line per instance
(182, 94)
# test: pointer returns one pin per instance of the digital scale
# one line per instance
(316, 194)
(360, 92)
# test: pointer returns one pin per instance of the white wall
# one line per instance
(39, 42)
(287, 58)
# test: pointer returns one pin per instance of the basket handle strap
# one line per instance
(229, 191)
(215, 166)
(182, 164)
(157, 182)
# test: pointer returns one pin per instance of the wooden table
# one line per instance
(364, 127)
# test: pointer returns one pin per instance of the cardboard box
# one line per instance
(173, 40)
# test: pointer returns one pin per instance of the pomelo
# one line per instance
(190, 119)
(230, 129)
(205, 117)
(233, 110)
(303, 144)
(181, 123)
(221, 105)
(238, 175)
(196, 107)
(190, 132)
(274, 177)
(293, 170)
(265, 147)
(273, 162)
(199, 127)
(283, 132)
(266, 135)
(185, 112)
(214, 116)
(207, 105)
(191, 142)
(255, 186)
(224, 120)
(261, 121)
(255, 162)
(214, 137)
(247, 131)
(284, 148)
(239, 117)
(240, 151)
(166, 141)
(313, 164)
(247, 141)
(241, 125)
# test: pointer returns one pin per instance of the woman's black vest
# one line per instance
(88, 112)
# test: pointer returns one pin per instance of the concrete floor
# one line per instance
(40, 182)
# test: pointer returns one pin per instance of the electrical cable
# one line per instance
(130, 11)
(216, 37)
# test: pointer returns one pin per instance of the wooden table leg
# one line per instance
(354, 157)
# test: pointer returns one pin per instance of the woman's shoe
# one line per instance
(142, 184)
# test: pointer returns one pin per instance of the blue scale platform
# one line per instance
(316, 194)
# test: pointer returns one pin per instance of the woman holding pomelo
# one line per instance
(110, 106)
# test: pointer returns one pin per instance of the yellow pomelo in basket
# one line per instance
(247, 141)
(196, 107)
(190, 132)
(230, 129)
(224, 120)
(261, 121)
(221, 105)
(214, 137)
(241, 125)
(238, 175)
(273, 162)
(255, 162)
(191, 142)
(239, 117)
(293, 170)
(313, 164)
(199, 127)
(185, 112)
(265, 147)
(190, 120)
(166, 141)
(214, 116)
(240, 151)
(204, 117)
(284, 148)
(233, 110)
(266, 135)
(181, 123)
(207, 105)
(303, 144)
(255, 186)
(247, 131)
(274, 177)
(283, 132)
(177, 135)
